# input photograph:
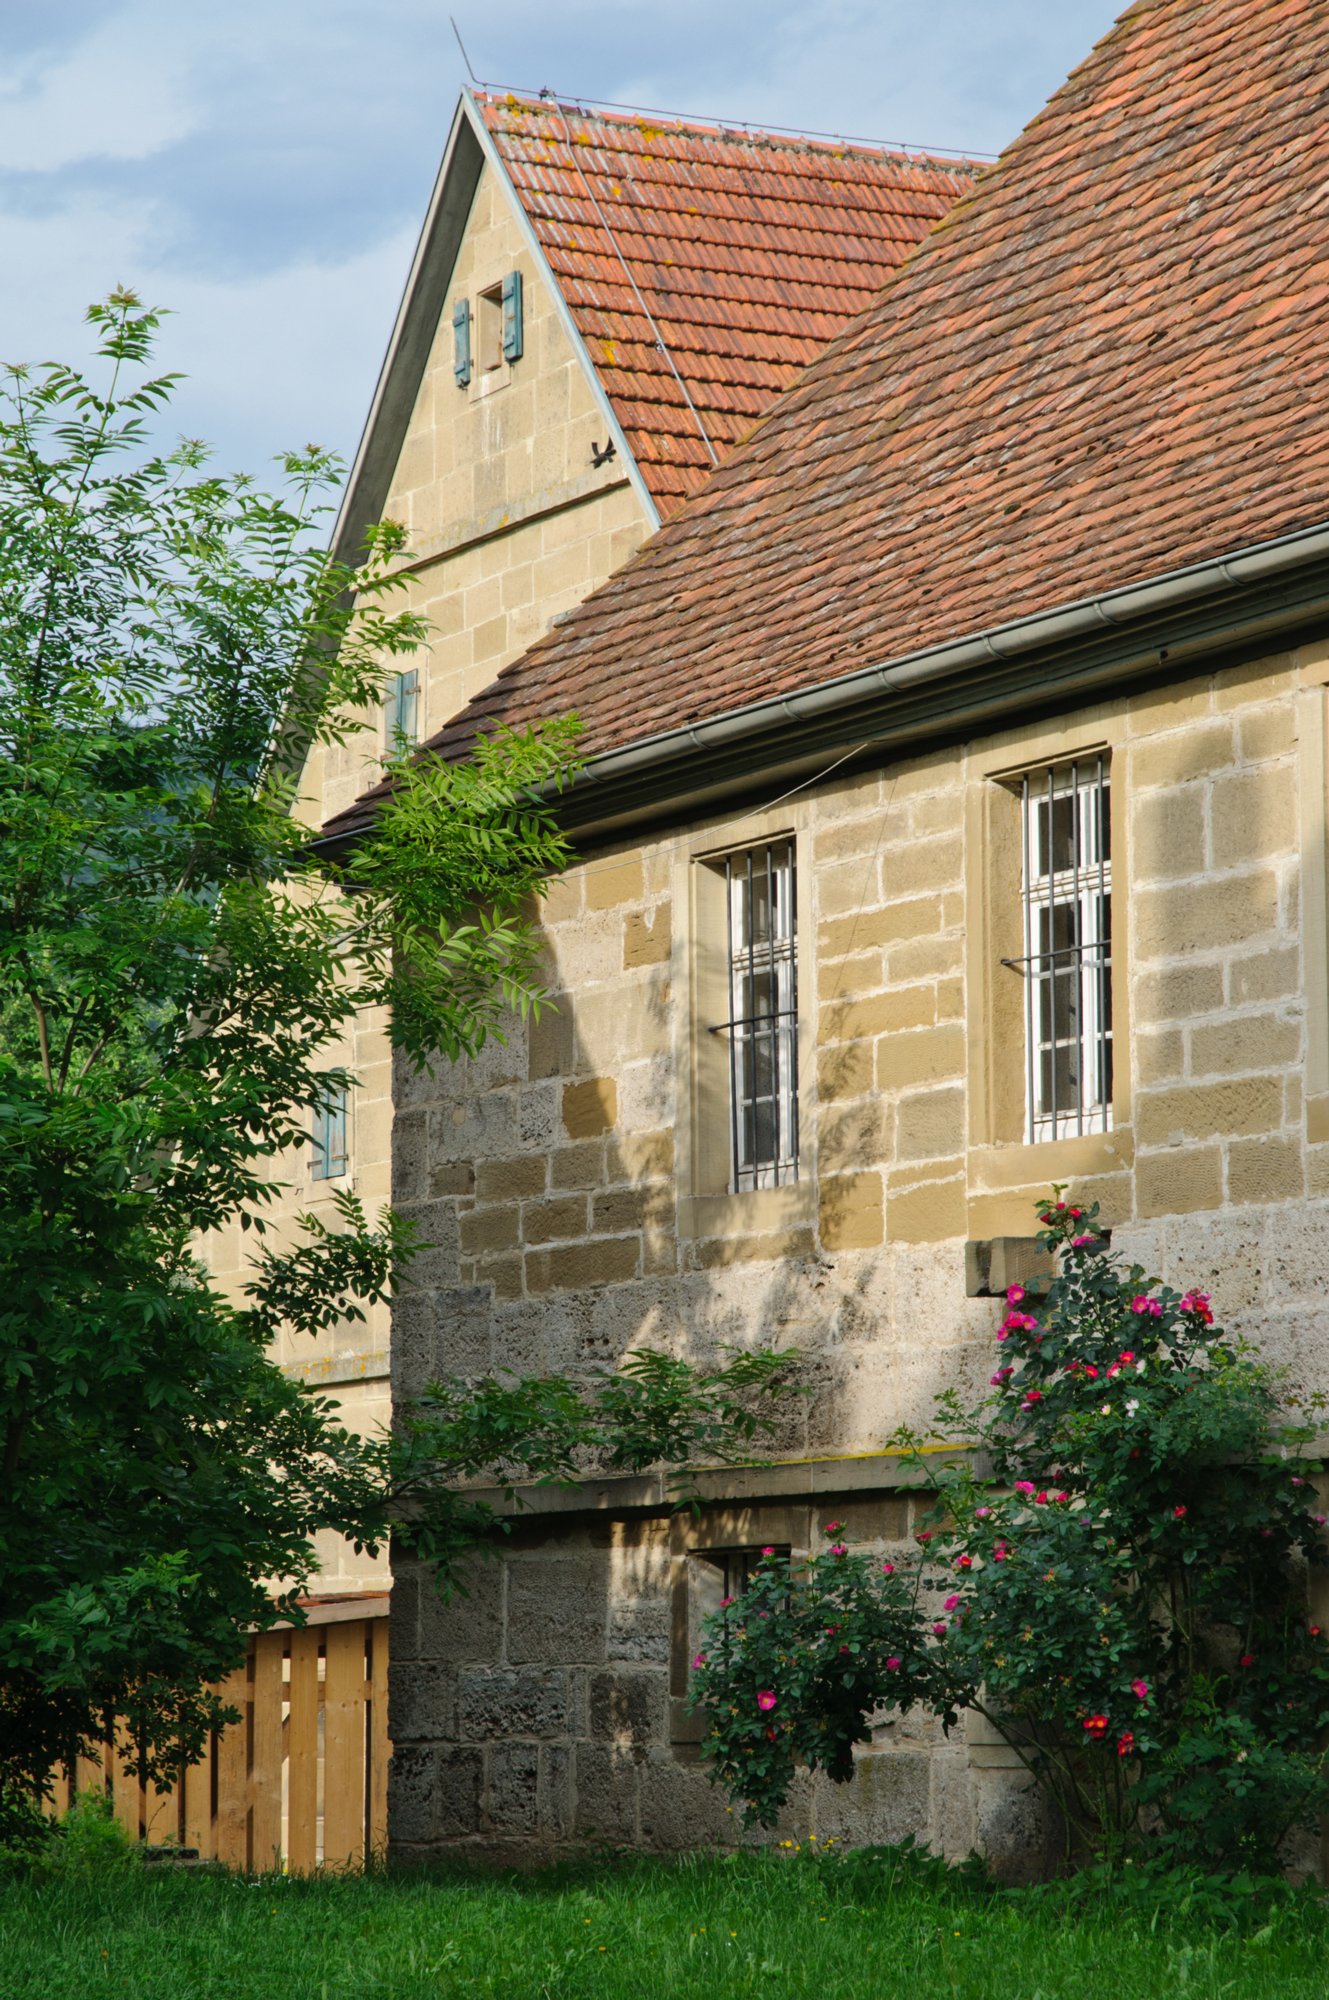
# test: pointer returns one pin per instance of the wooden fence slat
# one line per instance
(302, 1755)
(265, 1840)
(344, 1746)
(162, 1810)
(233, 1772)
(126, 1791)
(90, 1775)
(304, 1771)
(200, 1825)
(380, 1748)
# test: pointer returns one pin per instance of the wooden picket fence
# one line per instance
(301, 1781)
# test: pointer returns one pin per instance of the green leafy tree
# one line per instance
(176, 966)
(1116, 1577)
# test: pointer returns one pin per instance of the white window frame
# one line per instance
(762, 968)
(1067, 894)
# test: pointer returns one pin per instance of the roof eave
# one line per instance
(1158, 629)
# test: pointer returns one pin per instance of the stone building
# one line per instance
(599, 306)
(954, 824)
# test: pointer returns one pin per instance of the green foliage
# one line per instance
(1123, 1595)
(87, 1844)
(177, 968)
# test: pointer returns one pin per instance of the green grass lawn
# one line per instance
(705, 1929)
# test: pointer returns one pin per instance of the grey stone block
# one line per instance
(1015, 1826)
(436, 1334)
(1298, 1258)
(412, 1786)
(887, 1798)
(422, 1702)
(556, 1610)
(681, 1809)
(435, 1262)
(628, 1705)
(508, 1702)
(557, 1795)
(410, 1155)
(458, 1784)
(465, 1628)
(512, 1790)
(606, 1794)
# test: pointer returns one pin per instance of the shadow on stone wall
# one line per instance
(542, 1711)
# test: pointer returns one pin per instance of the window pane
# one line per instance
(1067, 893)
(761, 1029)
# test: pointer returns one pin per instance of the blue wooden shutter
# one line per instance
(461, 342)
(512, 328)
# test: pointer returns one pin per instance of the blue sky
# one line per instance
(262, 168)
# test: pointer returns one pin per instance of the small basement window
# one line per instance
(714, 1576)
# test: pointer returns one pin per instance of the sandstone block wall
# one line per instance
(563, 1177)
(543, 1711)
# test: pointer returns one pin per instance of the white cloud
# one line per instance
(114, 97)
(262, 168)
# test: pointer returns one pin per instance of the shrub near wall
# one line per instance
(1116, 1580)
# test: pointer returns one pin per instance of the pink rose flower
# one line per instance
(1024, 1486)
(893, 1662)
(838, 1549)
(1178, 1513)
(699, 1660)
(1079, 1242)
(888, 1569)
(940, 1629)
(768, 1552)
(766, 1699)
(1125, 1743)
(1246, 1660)
(982, 1513)
(1032, 1396)
(964, 1562)
(1040, 1499)
(1014, 1294)
(1140, 1689)
(999, 1553)
(950, 1604)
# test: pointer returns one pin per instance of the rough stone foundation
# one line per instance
(544, 1713)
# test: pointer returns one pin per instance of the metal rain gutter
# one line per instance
(1091, 617)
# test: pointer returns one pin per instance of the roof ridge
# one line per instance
(746, 130)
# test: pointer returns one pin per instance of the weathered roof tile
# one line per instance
(744, 252)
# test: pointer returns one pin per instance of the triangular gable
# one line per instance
(1108, 365)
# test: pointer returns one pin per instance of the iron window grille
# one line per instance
(762, 1028)
(329, 1136)
(402, 710)
(1067, 962)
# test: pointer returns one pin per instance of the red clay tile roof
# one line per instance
(747, 251)
(1109, 362)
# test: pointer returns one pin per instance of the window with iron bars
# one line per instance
(402, 710)
(1067, 962)
(762, 1028)
(329, 1134)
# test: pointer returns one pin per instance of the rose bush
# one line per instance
(1115, 1577)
